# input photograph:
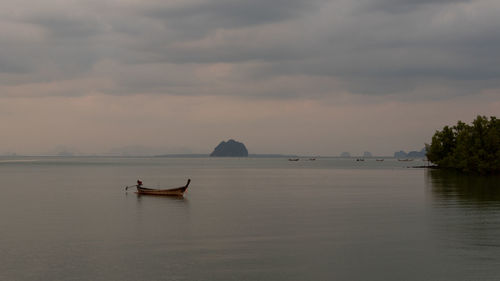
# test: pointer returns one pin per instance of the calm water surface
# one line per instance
(245, 219)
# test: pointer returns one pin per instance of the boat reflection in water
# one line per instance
(465, 217)
(160, 199)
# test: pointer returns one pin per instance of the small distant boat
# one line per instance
(405, 160)
(379, 160)
(293, 159)
(312, 159)
(178, 191)
(360, 159)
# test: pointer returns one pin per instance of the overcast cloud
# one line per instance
(284, 52)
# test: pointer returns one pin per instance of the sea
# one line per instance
(70, 218)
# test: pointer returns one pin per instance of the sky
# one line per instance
(307, 77)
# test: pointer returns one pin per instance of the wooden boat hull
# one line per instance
(179, 191)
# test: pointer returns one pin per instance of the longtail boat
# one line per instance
(178, 191)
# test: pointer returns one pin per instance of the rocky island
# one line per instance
(231, 148)
(412, 154)
(345, 155)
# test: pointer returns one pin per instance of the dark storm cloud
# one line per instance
(405, 6)
(202, 17)
(9, 64)
(371, 47)
(63, 26)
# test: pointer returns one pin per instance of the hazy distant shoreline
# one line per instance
(207, 155)
(195, 155)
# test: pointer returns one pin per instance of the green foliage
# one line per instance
(468, 148)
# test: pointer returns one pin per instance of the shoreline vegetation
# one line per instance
(467, 148)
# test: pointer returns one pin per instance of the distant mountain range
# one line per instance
(412, 154)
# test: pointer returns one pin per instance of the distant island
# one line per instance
(412, 154)
(231, 148)
(468, 148)
(345, 155)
